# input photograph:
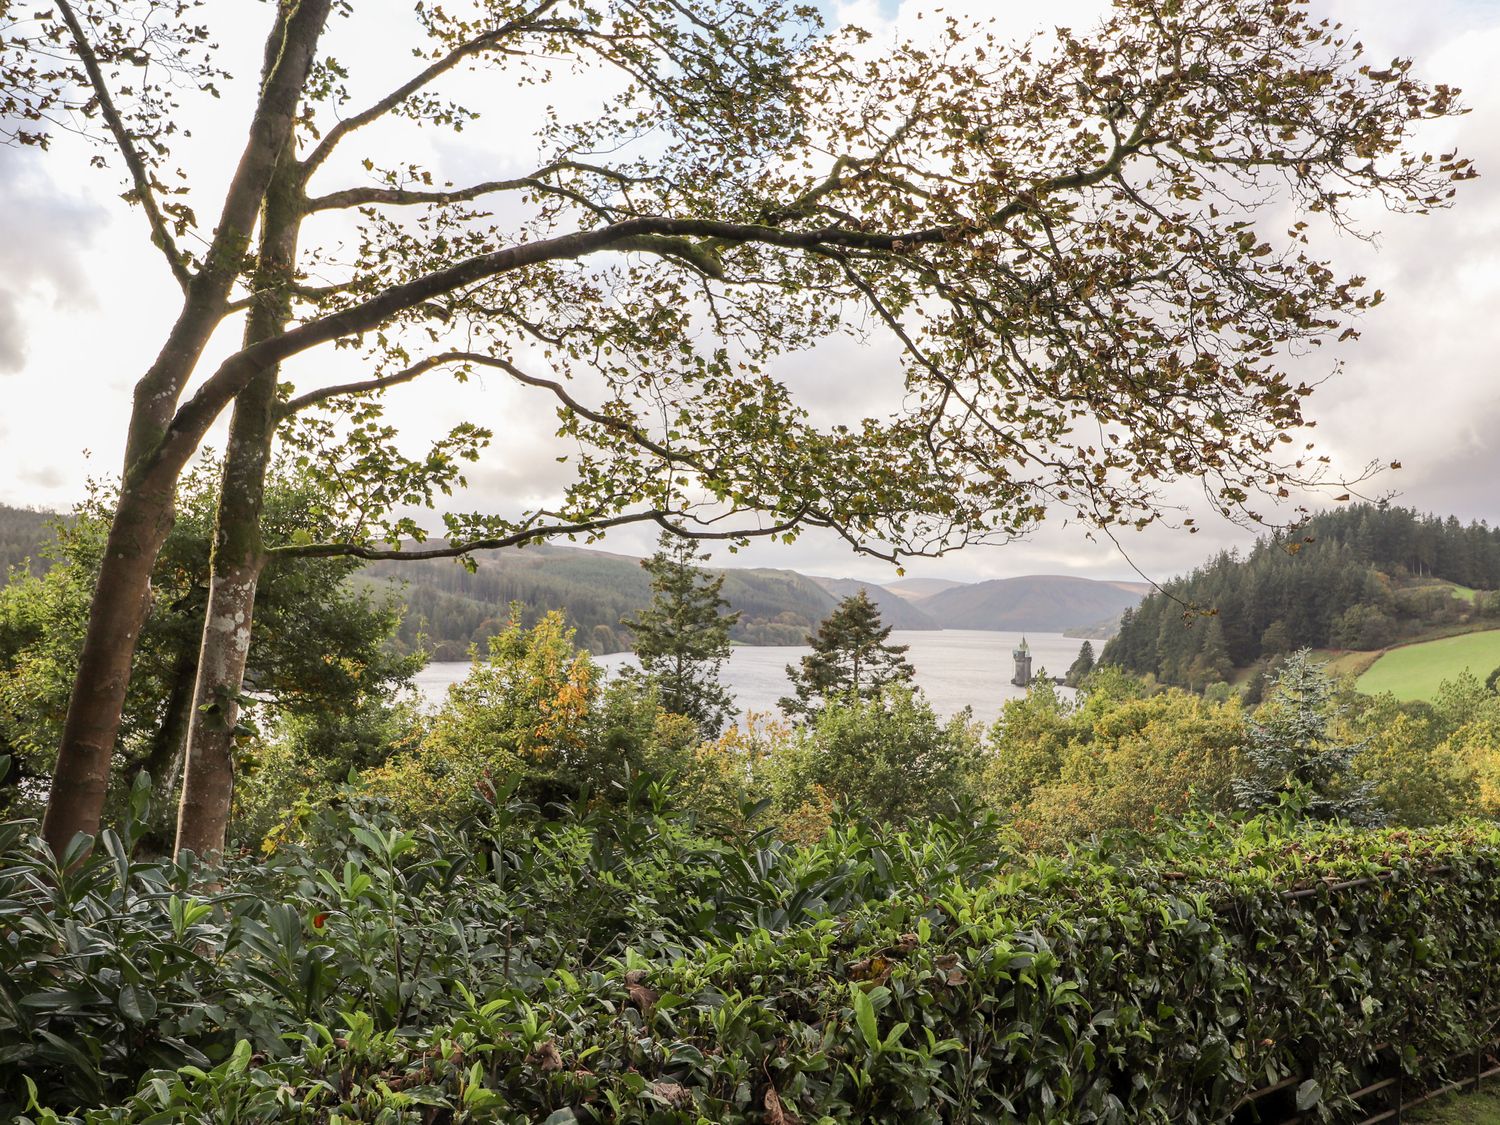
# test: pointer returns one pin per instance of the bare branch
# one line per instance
(161, 237)
(367, 386)
(364, 196)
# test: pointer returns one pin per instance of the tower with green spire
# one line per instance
(1022, 654)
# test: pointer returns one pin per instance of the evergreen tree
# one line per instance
(1293, 753)
(1080, 668)
(850, 659)
(682, 637)
(1212, 664)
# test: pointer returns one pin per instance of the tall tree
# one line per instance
(1056, 239)
(851, 659)
(323, 647)
(682, 637)
(1079, 670)
(1294, 754)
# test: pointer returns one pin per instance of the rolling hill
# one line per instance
(1417, 671)
(1043, 603)
(449, 608)
(1361, 578)
(896, 609)
(915, 589)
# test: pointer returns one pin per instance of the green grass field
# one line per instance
(1471, 1109)
(1416, 671)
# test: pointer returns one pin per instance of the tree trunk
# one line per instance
(165, 757)
(238, 555)
(122, 598)
(145, 513)
(208, 768)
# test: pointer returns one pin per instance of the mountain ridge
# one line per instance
(451, 609)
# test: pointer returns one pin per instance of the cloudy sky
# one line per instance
(84, 302)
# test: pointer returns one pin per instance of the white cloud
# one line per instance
(84, 302)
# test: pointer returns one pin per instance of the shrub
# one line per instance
(620, 967)
(113, 970)
(1116, 760)
(890, 759)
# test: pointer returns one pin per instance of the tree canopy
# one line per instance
(1358, 578)
(852, 659)
(1060, 238)
(682, 637)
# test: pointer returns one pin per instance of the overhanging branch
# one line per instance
(161, 237)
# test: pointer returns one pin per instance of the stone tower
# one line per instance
(1022, 678)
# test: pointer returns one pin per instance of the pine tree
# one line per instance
(1293, 753)
(1081, 667)
(850, 659)
(682, 637)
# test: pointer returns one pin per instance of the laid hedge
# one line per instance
(1159, 982)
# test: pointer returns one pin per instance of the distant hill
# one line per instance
(915, 589)
(895, 609)
(450, 608)
(23, 532)
(1043, 602)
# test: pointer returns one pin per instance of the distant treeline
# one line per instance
(449, 608)
(22, 534)
(1370, 576)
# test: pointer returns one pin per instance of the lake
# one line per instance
(956, 668)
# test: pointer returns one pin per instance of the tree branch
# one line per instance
(161, 237)
(453, 551)
(364, 196)
(457, 55)
(366, 386)
(197, 414)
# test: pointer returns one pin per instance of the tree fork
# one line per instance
(145, 513)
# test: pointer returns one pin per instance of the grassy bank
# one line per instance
(1416, 671)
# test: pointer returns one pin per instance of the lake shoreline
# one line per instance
(955, 668)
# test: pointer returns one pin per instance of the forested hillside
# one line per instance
(1362, 577)
(22, 533)
(452, 608)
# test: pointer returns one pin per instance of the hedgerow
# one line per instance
(626, 966)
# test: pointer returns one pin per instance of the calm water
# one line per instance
(957, 668)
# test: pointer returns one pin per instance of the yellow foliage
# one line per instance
(1415, 782)
(1475, 748)
(1124, 765)
(524, 709)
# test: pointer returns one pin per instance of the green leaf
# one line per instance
(1309, 1094)
(137, 1004)
(864, 1016)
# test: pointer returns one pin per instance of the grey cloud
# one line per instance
(44, 476)
(12, 338)
(40, 257)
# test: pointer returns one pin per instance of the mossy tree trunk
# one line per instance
(238, 555)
